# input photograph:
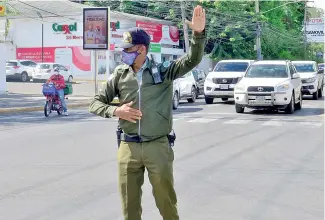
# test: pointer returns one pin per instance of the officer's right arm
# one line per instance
(101, 103)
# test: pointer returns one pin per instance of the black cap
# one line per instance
(134, 36)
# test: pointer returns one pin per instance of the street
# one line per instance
(256, 165)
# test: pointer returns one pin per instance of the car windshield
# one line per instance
(11, 63)
(231, 67)
(43, 66)
(267, 71)
(321, 65)
(304, 67)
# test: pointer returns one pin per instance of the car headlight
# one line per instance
(284, 87)
(208, 79)
(310, 80)
(240, 88)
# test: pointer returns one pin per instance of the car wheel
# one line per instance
(320, 92)
(208, 100)
(290, 109)
(315, 95)
(70, 79)
(193, 95)
(175, 101)
(298, 106)
(239, 108)
(24, 77)
(224, 99)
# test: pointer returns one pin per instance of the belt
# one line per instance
(127, 138)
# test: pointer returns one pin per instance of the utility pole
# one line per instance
(305, 31)
(185, 29)
(258, 33)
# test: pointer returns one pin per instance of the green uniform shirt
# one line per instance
(156, 100)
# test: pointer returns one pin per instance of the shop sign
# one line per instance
(155, 48)
(64, 28)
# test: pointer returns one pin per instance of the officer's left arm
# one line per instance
(175, 69)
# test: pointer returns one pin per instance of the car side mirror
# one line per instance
(321, 71)
(295, 76)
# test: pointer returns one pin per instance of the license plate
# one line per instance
(224, 86)
(260, 98)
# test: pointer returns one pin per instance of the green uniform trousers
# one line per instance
(157, 157)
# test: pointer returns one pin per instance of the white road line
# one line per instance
(202, 120)
(238, 122)
(311, 124)
(276, 123)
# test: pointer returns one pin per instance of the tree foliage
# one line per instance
(231, 25)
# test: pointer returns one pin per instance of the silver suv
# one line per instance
(20, 69)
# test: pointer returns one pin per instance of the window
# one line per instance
(267, 71)
(305, 67)
(24, 63)
(231, 67)
(10, 63)
(292, 70)
(32, 64)
(63, 68)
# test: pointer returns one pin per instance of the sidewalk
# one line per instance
(14, 102)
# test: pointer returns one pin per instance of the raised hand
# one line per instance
(127, 113)
(198, 19)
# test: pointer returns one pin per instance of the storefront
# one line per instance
(62, 43)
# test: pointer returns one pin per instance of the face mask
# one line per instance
(129, 57)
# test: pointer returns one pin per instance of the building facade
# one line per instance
(61, 40)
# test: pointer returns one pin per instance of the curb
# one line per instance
(38, 108)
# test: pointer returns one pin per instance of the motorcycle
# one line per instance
(53, 102)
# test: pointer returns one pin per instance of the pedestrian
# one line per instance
(145, 137)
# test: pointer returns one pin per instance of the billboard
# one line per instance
(159, 33)
(315, 30)
(95, 28)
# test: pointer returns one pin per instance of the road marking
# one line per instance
(312, 124)
(202, 120)
(276, 123)
(237, 122)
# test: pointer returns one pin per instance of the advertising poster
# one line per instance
(95, 28)
(159, 33)
(315, 30)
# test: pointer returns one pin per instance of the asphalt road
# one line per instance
(256, 166)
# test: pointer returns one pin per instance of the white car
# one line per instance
(20, 69)
(44, 71)
(220, 83)
(312, 78)
(187, 87)
(269, 85)
(176, 94)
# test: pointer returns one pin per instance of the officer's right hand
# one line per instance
(127, 113)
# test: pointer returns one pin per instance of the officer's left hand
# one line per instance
(198, 20)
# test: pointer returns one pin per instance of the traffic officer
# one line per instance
(145, 117)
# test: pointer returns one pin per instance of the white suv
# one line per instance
(312, 78)
(269, 85)
(20, 69)
(220, 83)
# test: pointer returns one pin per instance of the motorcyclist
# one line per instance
(58, 80)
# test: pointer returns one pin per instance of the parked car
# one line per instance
(20, 69)
(188, 87)
(44, 71)
(176, 94)
(269, 85)
(199, 76)
(312, 78)
(220, 83)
